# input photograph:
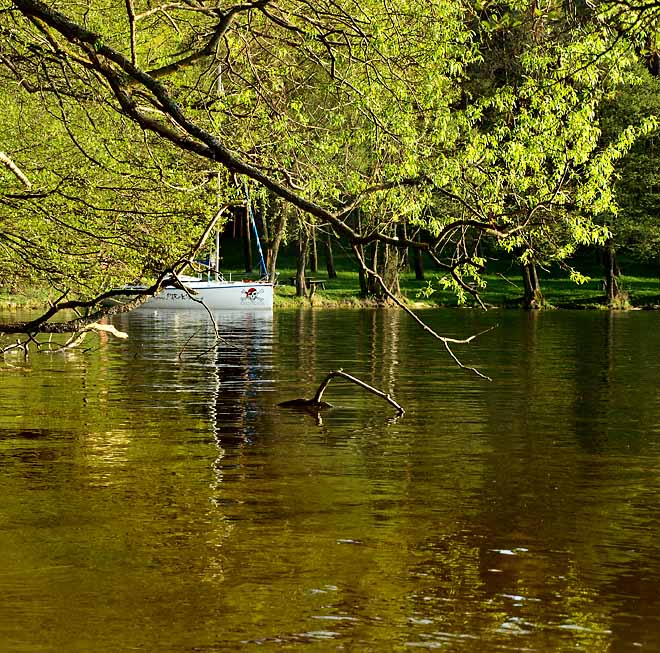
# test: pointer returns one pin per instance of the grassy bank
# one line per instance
(504, 287)
(639, 282)
(501, 290)
(24, 299)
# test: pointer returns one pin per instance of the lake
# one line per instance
(155, 497)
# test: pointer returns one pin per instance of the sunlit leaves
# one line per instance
(107, 204)
(485, 114)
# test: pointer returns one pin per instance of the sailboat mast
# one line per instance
(264, 270)
(217, 255)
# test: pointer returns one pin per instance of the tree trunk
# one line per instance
(652, 57)
(301, 285)
(313, 253)
(364, 290)
(264, 213)
(329, 258)
(611, 272)
(279, 227)
(373, 288)
(389, 270)
(533, 297)
(403, 233)
(418, 262)
(365, 282)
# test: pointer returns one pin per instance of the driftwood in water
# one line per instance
(316, 403)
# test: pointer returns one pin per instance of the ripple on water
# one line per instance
(320, 634)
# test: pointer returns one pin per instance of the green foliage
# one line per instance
(107, 203)
(478, 123)
(635, 224)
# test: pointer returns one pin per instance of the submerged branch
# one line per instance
(73, 342)
(316, 403)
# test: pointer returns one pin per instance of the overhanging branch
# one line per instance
(97, 306)
(447, 342)
(15, 170)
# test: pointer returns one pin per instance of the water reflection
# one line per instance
(225, 370)
(156, 487)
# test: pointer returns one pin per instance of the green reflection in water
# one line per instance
(156, 498)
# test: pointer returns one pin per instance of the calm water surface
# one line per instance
(154, 497)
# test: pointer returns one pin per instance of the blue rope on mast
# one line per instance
(254, 228)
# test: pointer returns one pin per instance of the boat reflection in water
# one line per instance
(202, 372)
(215, 378)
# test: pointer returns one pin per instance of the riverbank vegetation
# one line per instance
(504, 288)
(458, 151)
(639, 287)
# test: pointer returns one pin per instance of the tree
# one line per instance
(106, 202)
(634, 221)
(539, 173)
(339, 105)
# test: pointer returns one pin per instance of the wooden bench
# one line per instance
(315, 283)
(310, 283)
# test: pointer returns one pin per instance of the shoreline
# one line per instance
(639, 293)
(357, 303)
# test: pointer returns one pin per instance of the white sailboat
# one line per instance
(217, 294)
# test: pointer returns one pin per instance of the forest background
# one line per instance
(457, 148)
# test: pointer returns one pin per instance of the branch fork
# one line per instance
(316, 403)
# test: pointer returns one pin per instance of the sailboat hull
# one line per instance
(216, 295)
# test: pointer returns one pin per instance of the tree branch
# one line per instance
(15, 170)
(447, 342)
(226, 19)
(316, 402)
(130, 10)
(168, 277)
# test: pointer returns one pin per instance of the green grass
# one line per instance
(504, 286)
(24, 298)
(500, 291)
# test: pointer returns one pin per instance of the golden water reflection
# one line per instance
(156, 497)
